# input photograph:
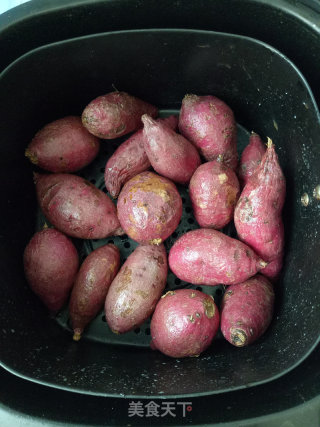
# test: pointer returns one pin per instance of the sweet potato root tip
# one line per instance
(238, 337)
(31, 156)
(76, 336)
(269, 142)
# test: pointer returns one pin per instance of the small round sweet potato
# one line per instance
(136, 289)
(257, 216)
(91, 286)
(149, 208)
(115, 114)
(209, 124)
(184, 323)
(51, 263)
(214, 191)
(209, 257)
(130, 159)
(251, 158)
(170, 154)
(246, 310)
(76, 207)
(63, 146)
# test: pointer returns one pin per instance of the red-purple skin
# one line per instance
(130, 159)
(170, 154)
(137, 288)
(115, 114)
(246, 310)
(64, 145)
(149, 208)
(251, 158)
(76, 207)
(209, 124)
(51, 263)
(258, 212)
(209, 257)
(184, 323)
(91, 286)
(274, 267)
(214, 190)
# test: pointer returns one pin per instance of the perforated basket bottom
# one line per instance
(98, 329)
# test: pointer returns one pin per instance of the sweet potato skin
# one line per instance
(209, 257)
(51, 263)
(130, 159)
(76, 207)
(170, 154)
(149, 208)
(63, 146)
(247, 310)
(115, 114)
(91, 286)
(214, 190)
(251, 158)
(184, 323)
(136, 289)
(209, 124)
(258, 212)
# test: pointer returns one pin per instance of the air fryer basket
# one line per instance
(267, 94)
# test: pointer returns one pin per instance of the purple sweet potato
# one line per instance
(184, 323)
(251, 158)
(149, 208)
(170, 154)
(134, 292)
(64, 145)
(209, 124)
(130, 159)
(209, 257)
(115, 114)
(91, 286)
(76, 207)
(214, 191)
(51, 263)
(247, 310)
(258, 212)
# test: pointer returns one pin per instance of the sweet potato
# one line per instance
(170, 154)
(51, 263)
(115, 114)
(246, 310)
(91, 286)
(209, 257)
(184, 323)
(251, 158)
(149, 208)
(130, 159)
(214, 191)
(136, 289)
(76, 207)
(209, 124)
(258, 212)
(63, 146)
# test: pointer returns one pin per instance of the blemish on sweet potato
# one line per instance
(142, 293)
(126, 275)
(209, 308)
(222, 178)
(191, 318)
